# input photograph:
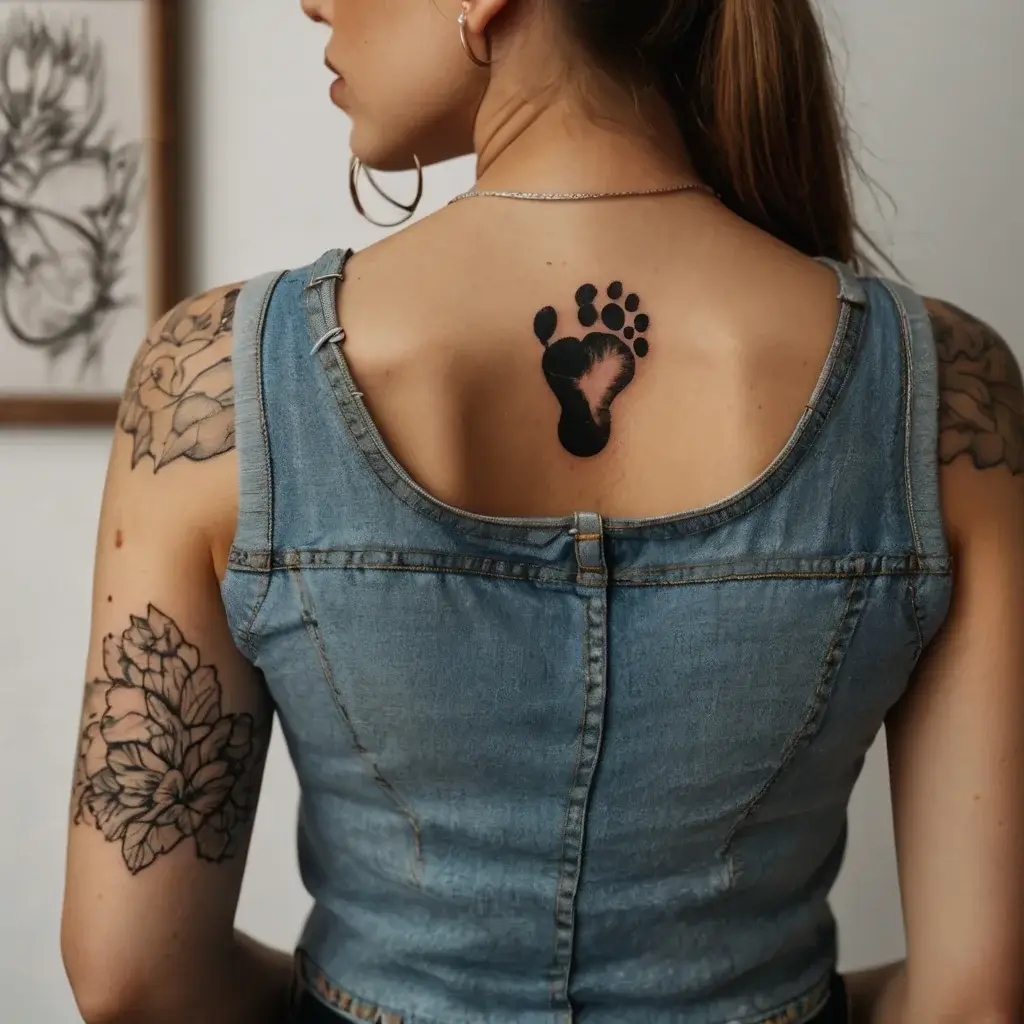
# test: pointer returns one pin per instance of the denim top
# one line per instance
(581, 769)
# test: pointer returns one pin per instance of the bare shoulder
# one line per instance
(179, 400)
(981, 391)
(173, 474)
(956, 737)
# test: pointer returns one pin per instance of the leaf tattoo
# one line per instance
(159, 762)
(179, 400)
(981, 392)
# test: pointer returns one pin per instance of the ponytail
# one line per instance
(752, 87)
(761, 118)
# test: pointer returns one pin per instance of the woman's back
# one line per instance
(441, 336)
(593, 763)
(581, 546)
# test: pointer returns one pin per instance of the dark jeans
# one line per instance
(835, 1009)
(311, 1011)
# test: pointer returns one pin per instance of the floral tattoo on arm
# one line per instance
(981, 392)
(180, 401)
(159, 761)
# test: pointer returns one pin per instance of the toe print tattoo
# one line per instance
(588, 374)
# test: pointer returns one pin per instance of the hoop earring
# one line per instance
(464, 36)
(356, 166)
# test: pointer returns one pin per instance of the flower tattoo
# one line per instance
(981, 392)
(180, 400)
(159, 762)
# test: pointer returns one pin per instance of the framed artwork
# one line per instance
(89, 200)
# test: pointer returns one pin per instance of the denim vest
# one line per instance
(579, 770)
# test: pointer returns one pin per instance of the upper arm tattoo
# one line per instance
(160, 761)
(179, 401)
(981, 392)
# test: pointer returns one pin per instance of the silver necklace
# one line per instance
(554, 197)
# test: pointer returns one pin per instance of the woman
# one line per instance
(567, 753)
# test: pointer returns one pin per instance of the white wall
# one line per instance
(934, 89)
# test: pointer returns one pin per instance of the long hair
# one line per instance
(753, 90)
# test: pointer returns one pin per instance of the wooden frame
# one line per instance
(159, 205)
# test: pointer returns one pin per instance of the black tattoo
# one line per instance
(159, 760)
(179, 401)
(71, 190)
(588, 375)
(982, 394)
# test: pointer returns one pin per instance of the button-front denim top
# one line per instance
(583, 769)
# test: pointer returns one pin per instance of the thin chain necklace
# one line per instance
(555, 197)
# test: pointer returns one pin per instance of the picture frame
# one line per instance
(87, 263)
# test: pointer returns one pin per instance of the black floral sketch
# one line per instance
(179, 402)
(159, 760)
(71, 189)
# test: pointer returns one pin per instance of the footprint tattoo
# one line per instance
(588, 374)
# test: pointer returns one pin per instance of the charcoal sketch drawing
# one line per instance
(71, 189)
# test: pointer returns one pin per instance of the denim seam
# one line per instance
(907, 367)
(820, 993)
(306, 965)
(261, 397)
(366, 435)
(596, 706)
(565, 582)
(874, 563)
(247, 634)
(784, 473)
(350, 1016)
(426, 569)
(792, 556)
(358, 433)
(279, 561)
(239, 551)
(846, 374)
(654, 576)
(361, 428)
(250, 635)
(331, 360)
(557, 993)
(768, 576)
(588, 756)
(312, 627)
(814, 715)
(854, 563)
(377, 549)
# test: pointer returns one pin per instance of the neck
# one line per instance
(555, 143)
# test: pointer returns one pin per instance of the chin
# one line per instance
(393, 151)
(382, 152)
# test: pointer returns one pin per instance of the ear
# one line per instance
(482, 12)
